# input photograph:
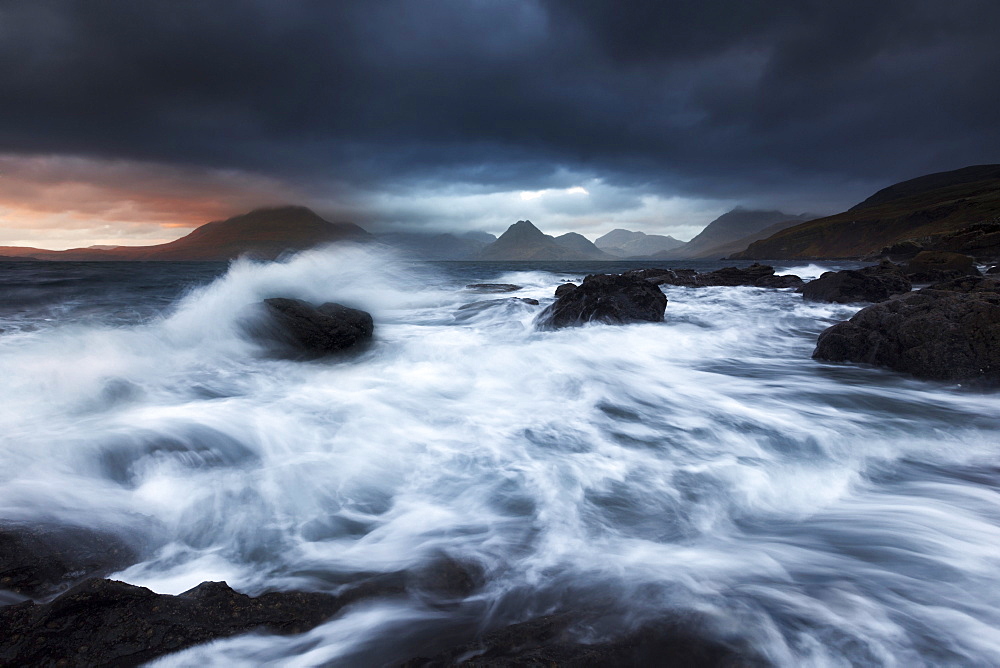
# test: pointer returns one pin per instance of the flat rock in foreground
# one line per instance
(868, 284)
(40, 559)
(607, 298)
(106, 622)
(299, 329)
(929, 266)
(948, 332)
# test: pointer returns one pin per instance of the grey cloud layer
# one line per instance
(710, 99)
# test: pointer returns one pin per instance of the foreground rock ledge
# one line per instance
(106, 622)
(868, 284)
(947, 332)
(608, 298)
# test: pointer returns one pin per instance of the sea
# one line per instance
(705, 468)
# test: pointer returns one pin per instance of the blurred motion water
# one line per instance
(826, 515)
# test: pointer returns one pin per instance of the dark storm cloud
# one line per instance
(713, 99)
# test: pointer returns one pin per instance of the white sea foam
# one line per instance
(830, 514)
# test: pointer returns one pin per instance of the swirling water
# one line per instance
(823, 515)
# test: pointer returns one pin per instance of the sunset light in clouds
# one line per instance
(62, 202)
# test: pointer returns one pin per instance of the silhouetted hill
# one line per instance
(890, 216)
(625, 243)
(262, 233)
(732, 227)
(524, 241)
(930, 182)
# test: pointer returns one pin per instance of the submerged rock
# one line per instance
(40, 559)
(950, 334)
(299, 329)
(493, 287)
(607, 298)
(869, 284)
(553, 641)
(469, 311)
(105, 622)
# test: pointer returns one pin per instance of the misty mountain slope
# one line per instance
(581, 244)
(864, 230)
(626, 243)
(733, 226)
(445, 246)
(727, 249)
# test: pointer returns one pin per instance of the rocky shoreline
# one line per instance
(104, 622)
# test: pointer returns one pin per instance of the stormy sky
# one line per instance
(130, 122)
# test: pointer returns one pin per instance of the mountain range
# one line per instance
(524, 241)
(919, 212)
(626, 243)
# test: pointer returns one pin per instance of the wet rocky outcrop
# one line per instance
(735, 276)
(981, 241)
(38, 560)
(608, 298)
(757, 275)
(948, 332)
(297, 329)
(100, 622)
(106, 622)
(783, 281)
(552, 641)
(929, 266)
(869, 284)
(682, 277)
(564, 288)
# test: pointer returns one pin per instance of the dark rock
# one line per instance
(553, 641)
(493, 287)
(105, 622)
(299, 329)
(968, 284)
(869, 284)
(39, 560)
(884, 268)
(444, 580)
(564, 288)
(934, 334)
(994, 269)
(784, 281)
(682, 277)
(902, 250)
(608, 298)
(734, 276)
(929, 266)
